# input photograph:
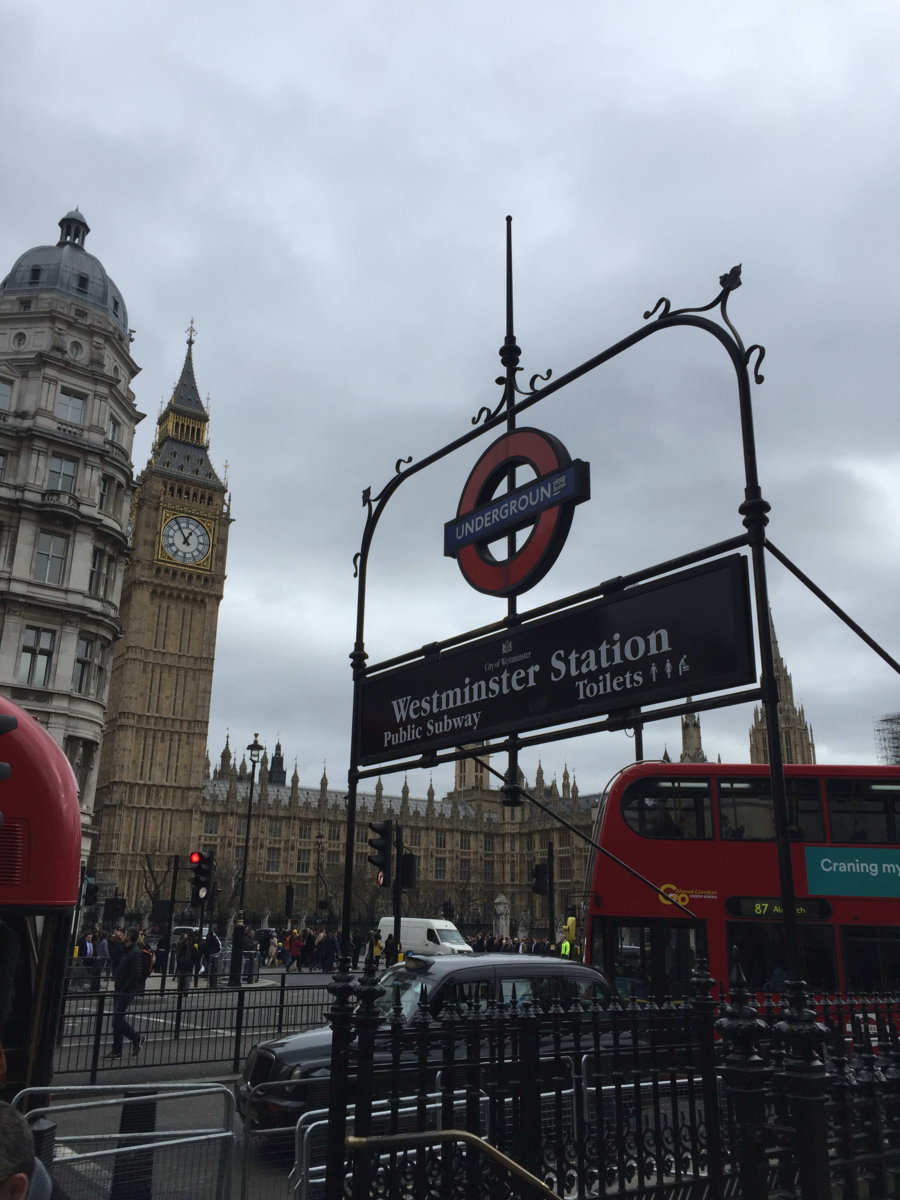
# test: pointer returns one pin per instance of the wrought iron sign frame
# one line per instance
(754, 511)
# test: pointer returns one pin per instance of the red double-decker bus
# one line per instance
(40, 848)
(704, 834)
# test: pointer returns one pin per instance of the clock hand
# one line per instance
(185, 537)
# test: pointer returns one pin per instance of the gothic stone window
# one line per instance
(275, 827)
(211, 823)
(36, 662)
(440, 840)
(440, 868)
(50, 557)
(273, 859)
(303, 862)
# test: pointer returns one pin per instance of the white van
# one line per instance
(426, 935)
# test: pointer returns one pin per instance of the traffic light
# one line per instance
(114, 908)
(204, 864)
(570, 928)
(91, 891)
(382, 846)
(407, 870)
(540, 873)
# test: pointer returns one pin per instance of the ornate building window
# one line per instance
(84, 675)
(5, 393)
(440, 868)
(273, 859)
(303, 862)
(103, 574)
(211, 823)
(70, 406)
(465, 870)
(113, 429)
(50, 556)
(334, 832)
(465, 841)
(275, 827)
(440, 840)
(61, 473)
(36, 663)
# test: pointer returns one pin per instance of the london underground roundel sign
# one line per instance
(487, 515)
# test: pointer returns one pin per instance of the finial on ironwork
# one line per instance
(509, 351)
(191, 332)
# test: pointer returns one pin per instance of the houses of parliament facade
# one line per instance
(110, 584)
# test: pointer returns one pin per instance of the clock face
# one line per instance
(186, 540)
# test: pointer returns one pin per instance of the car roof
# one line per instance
(437, 966)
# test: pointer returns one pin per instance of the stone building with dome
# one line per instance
(67, 422)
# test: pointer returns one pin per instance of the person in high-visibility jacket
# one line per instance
(565, 946)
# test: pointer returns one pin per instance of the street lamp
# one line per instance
(320, 843)
(237, 944)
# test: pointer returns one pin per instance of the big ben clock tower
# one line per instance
(154, 747)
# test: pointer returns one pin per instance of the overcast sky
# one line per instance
(323, 188)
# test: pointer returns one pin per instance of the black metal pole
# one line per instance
(237, 937)
(551, 893)
(396, 890)
(170, 948)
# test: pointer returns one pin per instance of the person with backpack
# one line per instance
(132, 971)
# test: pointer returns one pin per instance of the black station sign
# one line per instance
(683, 635)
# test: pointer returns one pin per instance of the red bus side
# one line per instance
(704, 874)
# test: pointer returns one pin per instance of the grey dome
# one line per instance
(68, 268)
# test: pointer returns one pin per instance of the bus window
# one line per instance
(650, 961)
(863, 810)
(745, 809)
(669, 808)
(871, 957)
(760, 948)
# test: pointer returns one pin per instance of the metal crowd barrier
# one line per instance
(187, 1160)
(193, 1026)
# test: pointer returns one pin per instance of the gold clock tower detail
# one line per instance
(153, 756)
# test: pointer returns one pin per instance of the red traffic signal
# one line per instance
(204, 864)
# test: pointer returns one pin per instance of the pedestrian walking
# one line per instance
(358, 943)
(390, 951)
(212, 950)
(101, 942)
(129, 981)
(87, 963)
(184, 961)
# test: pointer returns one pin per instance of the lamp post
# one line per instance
(237, 942)
(320, 843)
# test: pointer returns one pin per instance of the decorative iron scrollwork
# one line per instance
(729, 282)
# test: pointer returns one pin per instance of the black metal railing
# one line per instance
(793, 1096)
(194, 1025)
